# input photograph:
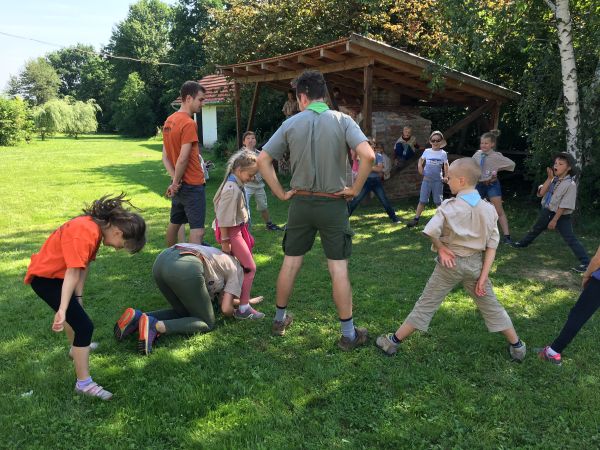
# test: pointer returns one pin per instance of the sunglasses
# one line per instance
(435, 141)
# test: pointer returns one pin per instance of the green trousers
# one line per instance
(181, 281)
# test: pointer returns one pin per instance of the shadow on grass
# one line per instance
(157, 147)
(149, 174)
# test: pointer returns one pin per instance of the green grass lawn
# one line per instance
(238, 387)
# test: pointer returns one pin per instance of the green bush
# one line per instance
(15, 121)
(224, 148)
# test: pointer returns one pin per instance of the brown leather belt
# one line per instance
(318, 194)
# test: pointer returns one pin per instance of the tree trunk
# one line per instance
(590, 110)
(569, 75)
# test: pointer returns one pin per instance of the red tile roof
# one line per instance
(218, 90)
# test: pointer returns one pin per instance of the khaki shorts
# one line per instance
(443, 280)
(259, 194)
(328, 216)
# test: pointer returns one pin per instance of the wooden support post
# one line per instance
(367, 110)
(238, 113)
(253, 106)
(495, 119)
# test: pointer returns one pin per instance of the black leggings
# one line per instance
(586, 306)
(49, 290)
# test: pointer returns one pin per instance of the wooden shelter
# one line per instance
(375, 74)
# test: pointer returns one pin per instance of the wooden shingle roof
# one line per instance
(399, 71)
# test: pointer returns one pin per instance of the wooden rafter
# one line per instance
(468, 119)
(328, 54)
(323, 68)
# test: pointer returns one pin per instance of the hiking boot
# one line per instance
(279, 326)
(346, 344)
(385, 343)
(147, 334)
(273, 227)
(413, 223)
(250, 314)
(517, 354)
(581, 268)
(507, 240)
(544, 356)
(127, 323)
(518, 244)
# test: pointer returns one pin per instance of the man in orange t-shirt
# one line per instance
(181, 159)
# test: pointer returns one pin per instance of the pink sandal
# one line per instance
(94, 390)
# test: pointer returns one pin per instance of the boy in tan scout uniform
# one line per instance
(465, 235)
(559, 195)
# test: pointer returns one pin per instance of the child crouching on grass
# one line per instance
(465, 235)
(57, 274)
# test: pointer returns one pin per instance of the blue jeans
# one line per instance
(435, 188)
(586, 306)
(373, 184)
(564, 227)
(489, 190)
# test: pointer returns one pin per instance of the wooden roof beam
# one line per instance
(337, 80)
(391, 87)
(270, 67)
(417, 71)
(303, 59)
(240, 71)
(480, 87)
(487, 106)
(333, 56)
(287, 64)
(252, 69)
(412, 83)
(349, 64)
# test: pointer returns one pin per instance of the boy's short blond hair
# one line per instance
(468, 168)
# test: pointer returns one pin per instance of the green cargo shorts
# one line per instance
(328, 216)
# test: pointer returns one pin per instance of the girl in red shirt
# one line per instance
(57, 273)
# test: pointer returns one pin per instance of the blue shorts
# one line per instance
(189, 206)
(490, 190)
(433, 187)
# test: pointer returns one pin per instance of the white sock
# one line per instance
(551, 352)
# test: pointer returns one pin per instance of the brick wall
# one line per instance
(387, 126)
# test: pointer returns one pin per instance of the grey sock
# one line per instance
(280, 314)
(348, 328)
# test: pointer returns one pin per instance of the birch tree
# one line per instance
(562, 15)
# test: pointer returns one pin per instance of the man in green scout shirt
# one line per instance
(318, 140)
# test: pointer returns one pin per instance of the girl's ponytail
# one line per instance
(107, 211)
(239, 160)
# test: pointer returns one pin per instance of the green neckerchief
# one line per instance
(318, 107)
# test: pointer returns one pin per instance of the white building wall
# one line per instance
(209, 125)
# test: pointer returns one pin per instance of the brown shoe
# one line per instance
(346, 344)
(279, 326)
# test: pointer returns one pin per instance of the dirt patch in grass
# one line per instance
(555, 277)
